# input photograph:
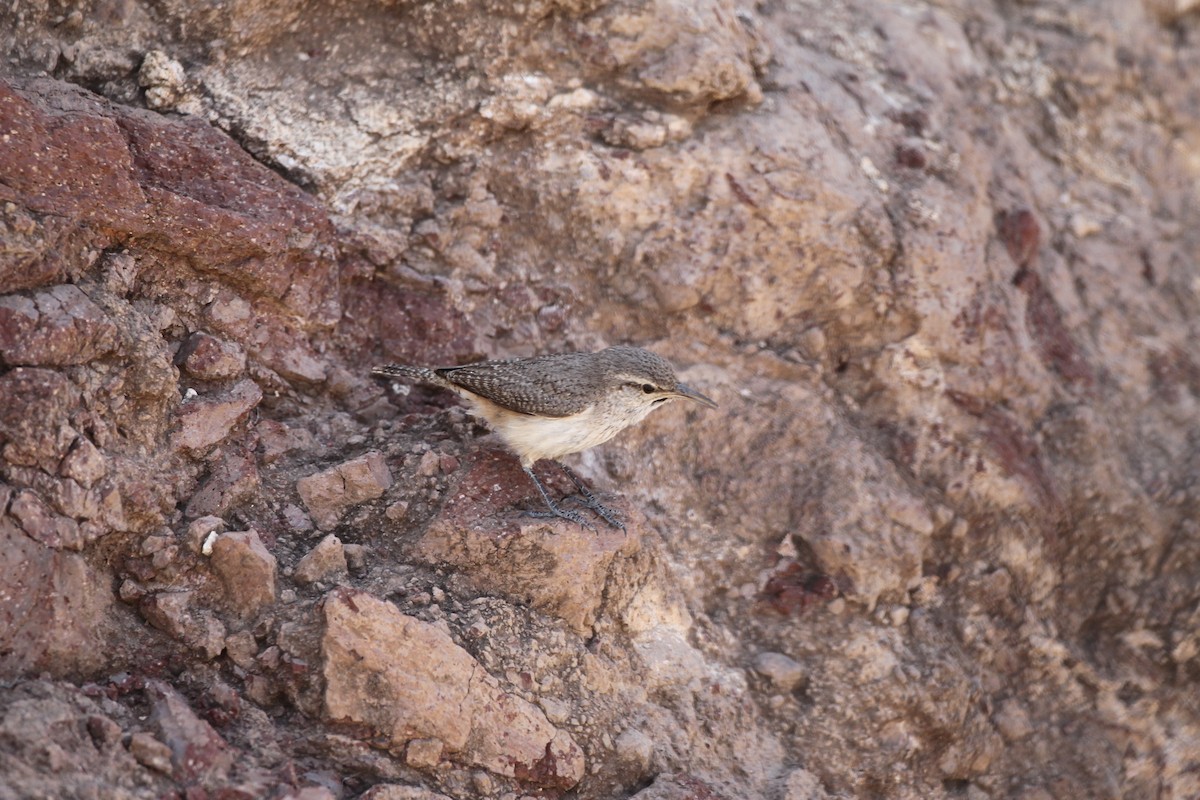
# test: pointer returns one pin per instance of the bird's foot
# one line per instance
(588, 498)
(606, 513)
(561, 513)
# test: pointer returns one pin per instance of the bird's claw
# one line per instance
(562, 513)
(604, 512)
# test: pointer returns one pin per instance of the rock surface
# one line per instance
(247, 569)
(328, 494)
(325, 561)
(409, 682)
(936, 261)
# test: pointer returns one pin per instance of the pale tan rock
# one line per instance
(325, 561)
(676, 787)
(328, 494)
(310, 793)
(150, 752)
(800, 784)
(241, 648)
(408, 680)
(783, 672)
(247, 569)
(635, 749)
(1013, 721)
(423, 753)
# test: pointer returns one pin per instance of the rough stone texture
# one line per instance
(396, 792)
(409, 682)
(329, 493)
(784, 673)
(561, 570)
(54, 328)
(150, 752)
(210, 359)
(937, 262)
(247, 569)
(198, 753)
(175, 613)
(55, 609)
(325, 561)
(205, 421)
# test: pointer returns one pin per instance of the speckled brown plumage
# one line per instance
(550, 406)
(547, 386)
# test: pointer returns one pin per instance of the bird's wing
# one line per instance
(549, 386)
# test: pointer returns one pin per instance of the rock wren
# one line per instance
(551, 406)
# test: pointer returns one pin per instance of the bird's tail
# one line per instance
(415, 374)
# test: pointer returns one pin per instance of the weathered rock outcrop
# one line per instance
(937, 262)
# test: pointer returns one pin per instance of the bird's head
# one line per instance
(645, 380)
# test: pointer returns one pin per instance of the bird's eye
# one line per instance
(647, 388)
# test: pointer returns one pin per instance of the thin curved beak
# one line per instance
(683, 390)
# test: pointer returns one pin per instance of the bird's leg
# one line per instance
(590, 500)
(555, 510)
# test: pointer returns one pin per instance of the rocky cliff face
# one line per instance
(937, 262)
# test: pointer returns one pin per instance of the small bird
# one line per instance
(551, 406)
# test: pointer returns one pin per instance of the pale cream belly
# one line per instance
(535, 438)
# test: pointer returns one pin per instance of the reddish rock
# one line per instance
(247, 569)
(43, 525)
(53, 609)
(285, 352)
(84, 463)
(180, 187)
(329, 493)
(393, 791)
(1021, 234)
(173, 613)
(57, 327)
(198, 753)
(35, 407)
(240, 220)
(233, 479)
(211, 359)
(105, 733)
(1045, 323)
(407, 679)
(207, 420)
(100, 507)
(325, 561)
(415, 326)
(277, 439)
